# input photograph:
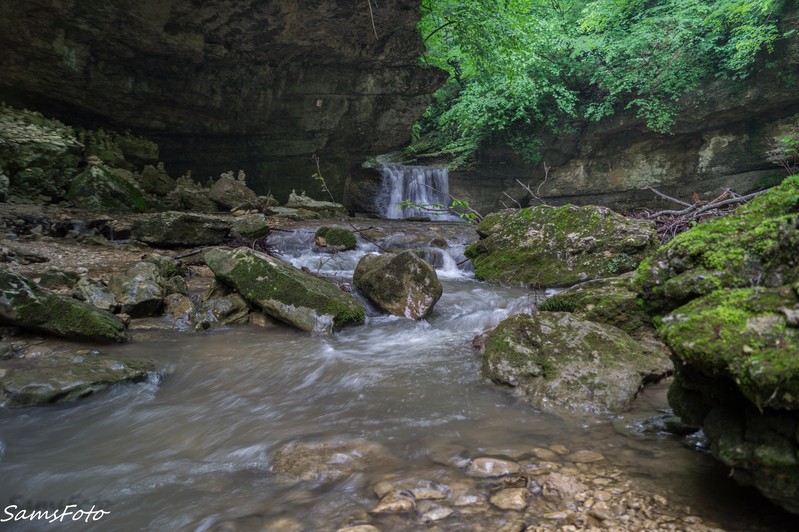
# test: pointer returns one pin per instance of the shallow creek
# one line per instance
(193, 449)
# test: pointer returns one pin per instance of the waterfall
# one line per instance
(422, 185)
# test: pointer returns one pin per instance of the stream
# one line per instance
(192, 449)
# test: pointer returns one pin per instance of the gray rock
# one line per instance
(155, 180)
(172, 229)
(94, 293)
(231, 309)
(24, 304)
(6, 350)
(401, 284)
(511, 499)
(53, 278)
(284, 292)
(563, 364)
(105, 189)
(138, 289)
(178, 306)
(395, 502)
(66, 377)
(229, 192)
(251, 226)
(325, 208)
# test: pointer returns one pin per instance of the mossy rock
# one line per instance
(563, 364)
(231, 309)
(335, 238)
(66, 377)
(155, 180)
(756, 245)
(400, 283)
(285, 292)
(100, 188)
(251, 226)
(609, 301)
(555, 247)
(741, 334)
(26, 305)
(180, 229)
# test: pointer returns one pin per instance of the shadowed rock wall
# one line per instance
(258, 85)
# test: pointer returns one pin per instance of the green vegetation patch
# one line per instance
(743, 334)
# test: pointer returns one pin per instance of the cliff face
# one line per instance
(721, 139)
(259, 85)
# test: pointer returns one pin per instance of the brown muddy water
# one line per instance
(192, 449)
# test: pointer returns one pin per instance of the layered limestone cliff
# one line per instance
(260, 85)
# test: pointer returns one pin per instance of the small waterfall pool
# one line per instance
(194, 450)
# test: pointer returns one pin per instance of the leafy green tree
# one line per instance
(521, 68)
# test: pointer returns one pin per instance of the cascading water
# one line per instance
(419, 185)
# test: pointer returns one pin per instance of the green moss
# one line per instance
(336, 237)
(755, 245)
(741, 334)
(551, 247)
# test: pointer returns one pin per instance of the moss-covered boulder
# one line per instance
(138, 290)
(553, 247)
(101, 188)
(744, 335)
(25, 304)
(38, 155)
(285, 292)
(251, 226)
(55, 278)
(180, 229)
(155, 180)
(563, 364)
(335, 239)
(65, 377)
(611, 301)
(189, 196)
(756, 245)
(726, 292)
(400, 283)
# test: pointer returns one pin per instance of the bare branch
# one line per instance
(669, 198)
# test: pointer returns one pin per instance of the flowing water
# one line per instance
(426, 188)
(193, 448)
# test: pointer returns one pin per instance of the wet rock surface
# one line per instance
(564, 364)
(329, 461)
(65, 377)
(553, 247)
(401, 284)
(284, 292)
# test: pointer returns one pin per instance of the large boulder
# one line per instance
(175, 229)
(65, 377)
(25, 304)
(101, 188)
(285, 292)
(229, 192)
(252, 226)
(755, 246)
(552, 247)
(726, 294)
(563, 364)
(189, 196)
(400, 283)
(737, 360)
(155, 180)
(138, 290)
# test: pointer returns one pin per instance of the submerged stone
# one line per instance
(551, 247)
(563, 364)
(329, 461)
(66, 377)
(285, 292)
(401, 284)
(24, 304)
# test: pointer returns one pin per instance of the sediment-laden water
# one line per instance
(193, 449)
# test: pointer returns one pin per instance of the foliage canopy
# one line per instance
(519, 69)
